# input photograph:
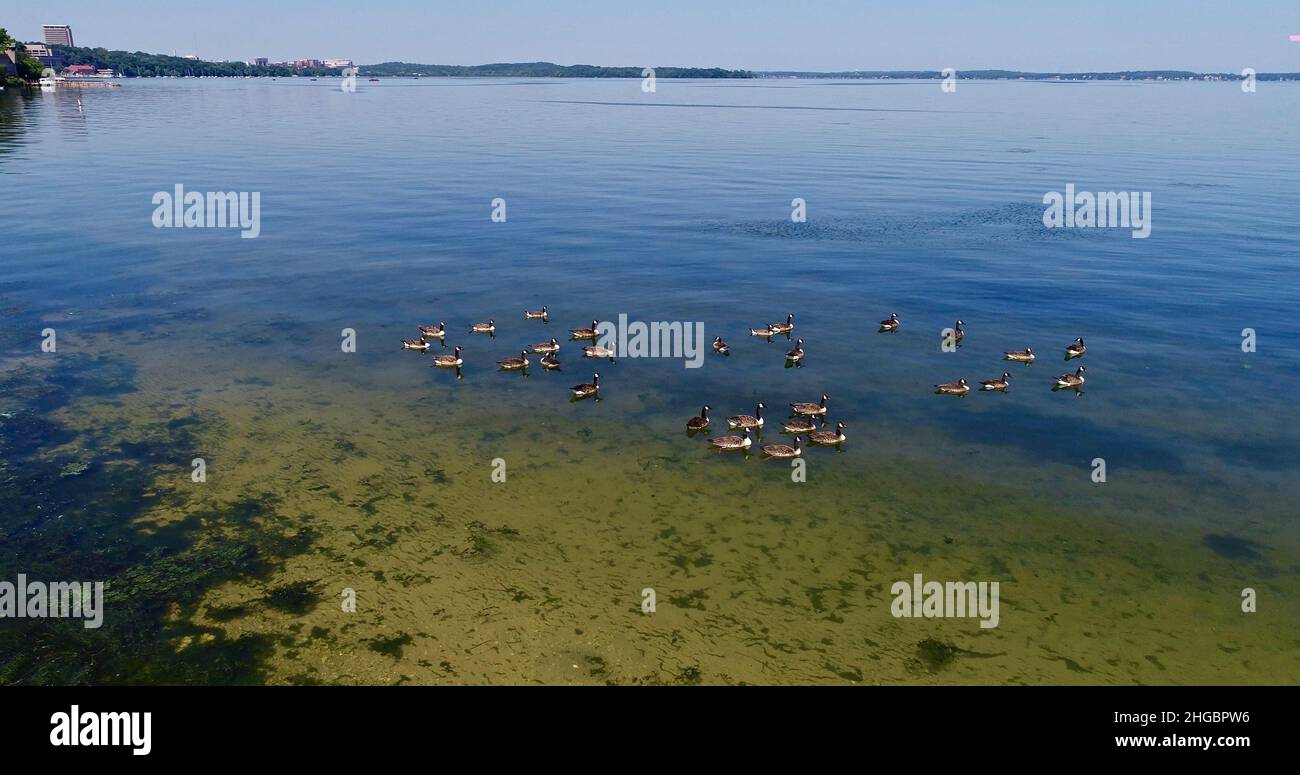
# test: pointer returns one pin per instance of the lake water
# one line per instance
(369, 473)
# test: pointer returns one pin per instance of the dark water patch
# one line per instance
(297, 598)
(84, 527)
(935, 655)
(93, 376)
(1259, 453)
(1040, 435)
(740, 107)
(227, 613)
(23, 434)
(1233, 547)
(689, 676)
(392, 647)
(690, 600)
(1010, 222)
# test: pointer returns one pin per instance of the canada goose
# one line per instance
(828, 438)
(544, 348)
(957, 332)
(811, 410)
(1001, 383)
(452, 361)
(732, 442)
(434, 332)
(799, 425)
(550, 362)
(587, 389)
(540, 314)
(958, 388)
(489, 327)
(797, 353)
(720, 346)
(765, 331)
(745, 421)
(584, 333)
(1021, 356)
(1074, 380)
(596, 351)
(783, 328)
(515, 364)
(699, 423)
(415, 344)
(891, 324)
(1076, 350)
(782, 451)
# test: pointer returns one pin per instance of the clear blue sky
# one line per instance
(1217, 35)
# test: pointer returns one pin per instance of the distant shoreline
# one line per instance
(142, 65)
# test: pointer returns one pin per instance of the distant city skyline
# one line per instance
(827, 35)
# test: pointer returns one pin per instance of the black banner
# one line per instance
(190, 725)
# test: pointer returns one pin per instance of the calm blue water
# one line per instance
(676, 206)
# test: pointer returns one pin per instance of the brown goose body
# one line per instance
(828, 438)
(587, 389)
(1020, 356)
(415, 344)
(514, 364)
(782, 450)
(1074, 380)
(958, 388)
(732, 442)
(748, 421)
(810, 410)
(452, 361)
(1001, 383)
(783, 328)
(544, 348)
(701, 422)
(799, 425)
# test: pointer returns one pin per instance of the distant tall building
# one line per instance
(57, 35)
(261, 61)
(41, 53)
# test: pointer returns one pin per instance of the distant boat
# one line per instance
(47, 84)
(374, 80)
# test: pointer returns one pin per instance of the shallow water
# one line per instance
(371, 471)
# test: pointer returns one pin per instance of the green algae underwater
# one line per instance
(539, 579)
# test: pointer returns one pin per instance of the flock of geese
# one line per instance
(804, 417)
